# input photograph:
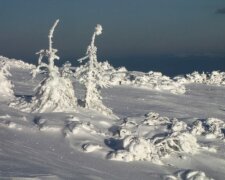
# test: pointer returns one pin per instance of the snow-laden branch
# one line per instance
(50, 36)
(50, 54)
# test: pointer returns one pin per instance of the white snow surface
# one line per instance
(160, 135)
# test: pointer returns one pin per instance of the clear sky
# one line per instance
(132, 28)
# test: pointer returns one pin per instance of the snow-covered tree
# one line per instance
(55, 93)
(92, 73)
(6, 89)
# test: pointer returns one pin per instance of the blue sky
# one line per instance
(132, 28)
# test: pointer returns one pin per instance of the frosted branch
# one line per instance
(50, 36)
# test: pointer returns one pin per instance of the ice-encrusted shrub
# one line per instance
(157, 81)
(175, 142)
(136, 149)
(214, 78)
(188, 175)
(66, 71)
(151, 80)
(55, 93)
(210, 128)
(154, 119)
(6, 85)
(177, 126)
(107, 75)
(92, 73)
(14, 63)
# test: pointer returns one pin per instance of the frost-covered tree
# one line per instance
(92, 77)
(6, 89)
(99, 69)
(55, 93)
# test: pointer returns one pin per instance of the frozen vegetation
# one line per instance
(6, 87)
(157, 130)
(158, 136)
(55, 93)
(188, 175)
(215, 78)
(91, 75)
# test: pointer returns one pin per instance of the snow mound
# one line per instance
(210, 128)
(178, 126)
(131, 145)
(189, 175)
(154, 119)
(53, 95)
(215, 78)
(136, 149)
(91, 147)
(175, 142)
(77, 126)
(6, 89)
(14, 63)
(7, 123)
(44, 125)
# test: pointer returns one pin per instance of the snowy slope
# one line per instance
(82, 145)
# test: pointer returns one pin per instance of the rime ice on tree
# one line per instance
(55, 93)
(6, 89)
(92, 77)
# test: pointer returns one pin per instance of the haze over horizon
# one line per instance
(143, 30)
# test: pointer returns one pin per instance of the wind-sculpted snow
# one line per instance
(14, 63)
(188, 175)
(215, 78)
